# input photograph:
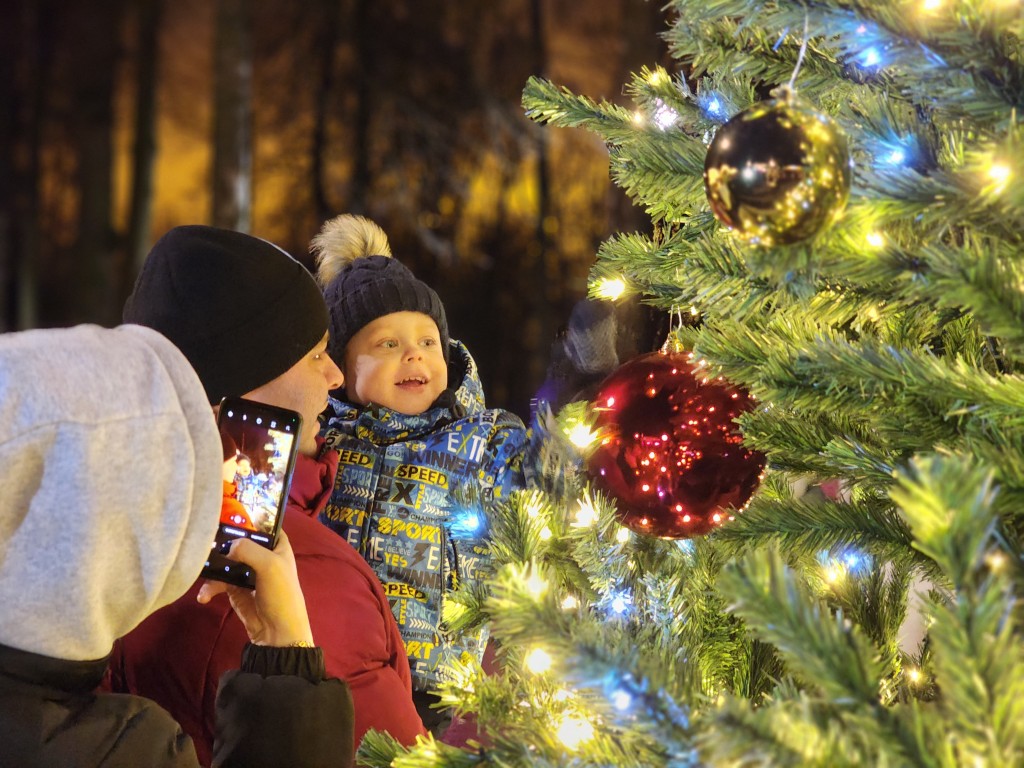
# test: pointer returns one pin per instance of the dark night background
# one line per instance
(123, 118)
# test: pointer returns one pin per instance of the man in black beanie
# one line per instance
(244, 313)
(252, 322)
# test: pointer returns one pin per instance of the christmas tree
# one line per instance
(837, 225)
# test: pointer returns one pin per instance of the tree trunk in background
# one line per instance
(545, 272)
(327, 44)
(36, 57)
(10, 110)
(362, 75)
(232, 118)
(96, 31)
(144, 152)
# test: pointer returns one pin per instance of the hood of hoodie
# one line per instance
(383, 425)
(111, 474)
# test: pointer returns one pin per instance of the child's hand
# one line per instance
(274, 613)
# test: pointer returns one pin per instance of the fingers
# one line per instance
(259, 557)
(275, 612)
(209, 590)
(250, 553)
(283, 547)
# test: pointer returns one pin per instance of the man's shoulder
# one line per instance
(326, 563)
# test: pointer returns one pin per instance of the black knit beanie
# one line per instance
(373, 286)
(239, 308)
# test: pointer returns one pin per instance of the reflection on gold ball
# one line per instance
(778, 172)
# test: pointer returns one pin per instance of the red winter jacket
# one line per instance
(177, 656)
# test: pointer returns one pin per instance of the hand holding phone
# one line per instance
(260, 445)
(275, 613)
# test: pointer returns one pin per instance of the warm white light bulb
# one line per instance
(535, 585)
(1000, 175)
(538, 661)
(609, 288)
(834, 573)
(574, 730)
(586, 515)
(581, 436)
(995, 560)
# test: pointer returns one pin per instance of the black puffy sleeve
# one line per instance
(278, 710)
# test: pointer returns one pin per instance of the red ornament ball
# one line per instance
(670, 454)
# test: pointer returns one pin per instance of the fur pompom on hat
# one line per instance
(361, 281)
(241, 309)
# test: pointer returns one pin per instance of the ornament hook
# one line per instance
(675, 322)
(800, 58)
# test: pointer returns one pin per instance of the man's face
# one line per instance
(243, 467)
(397, 361)
(303, 388)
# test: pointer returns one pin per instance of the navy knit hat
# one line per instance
(240, 309)
(361, 282)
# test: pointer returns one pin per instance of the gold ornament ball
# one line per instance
(778, 172)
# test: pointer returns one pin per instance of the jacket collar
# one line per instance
(70, 677)
(313, 480)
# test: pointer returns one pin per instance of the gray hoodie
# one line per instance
(110, 475)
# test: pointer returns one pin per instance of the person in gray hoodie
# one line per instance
(110, 464)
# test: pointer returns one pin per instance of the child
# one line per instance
(422, 459)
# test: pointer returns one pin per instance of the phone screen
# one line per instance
(260, 443)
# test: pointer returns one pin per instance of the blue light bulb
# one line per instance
(620, 699)
(871, 58)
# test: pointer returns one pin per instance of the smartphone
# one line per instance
(260, 444)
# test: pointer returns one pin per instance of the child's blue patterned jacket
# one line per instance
(412, 495)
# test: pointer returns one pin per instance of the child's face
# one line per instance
(396, 361)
